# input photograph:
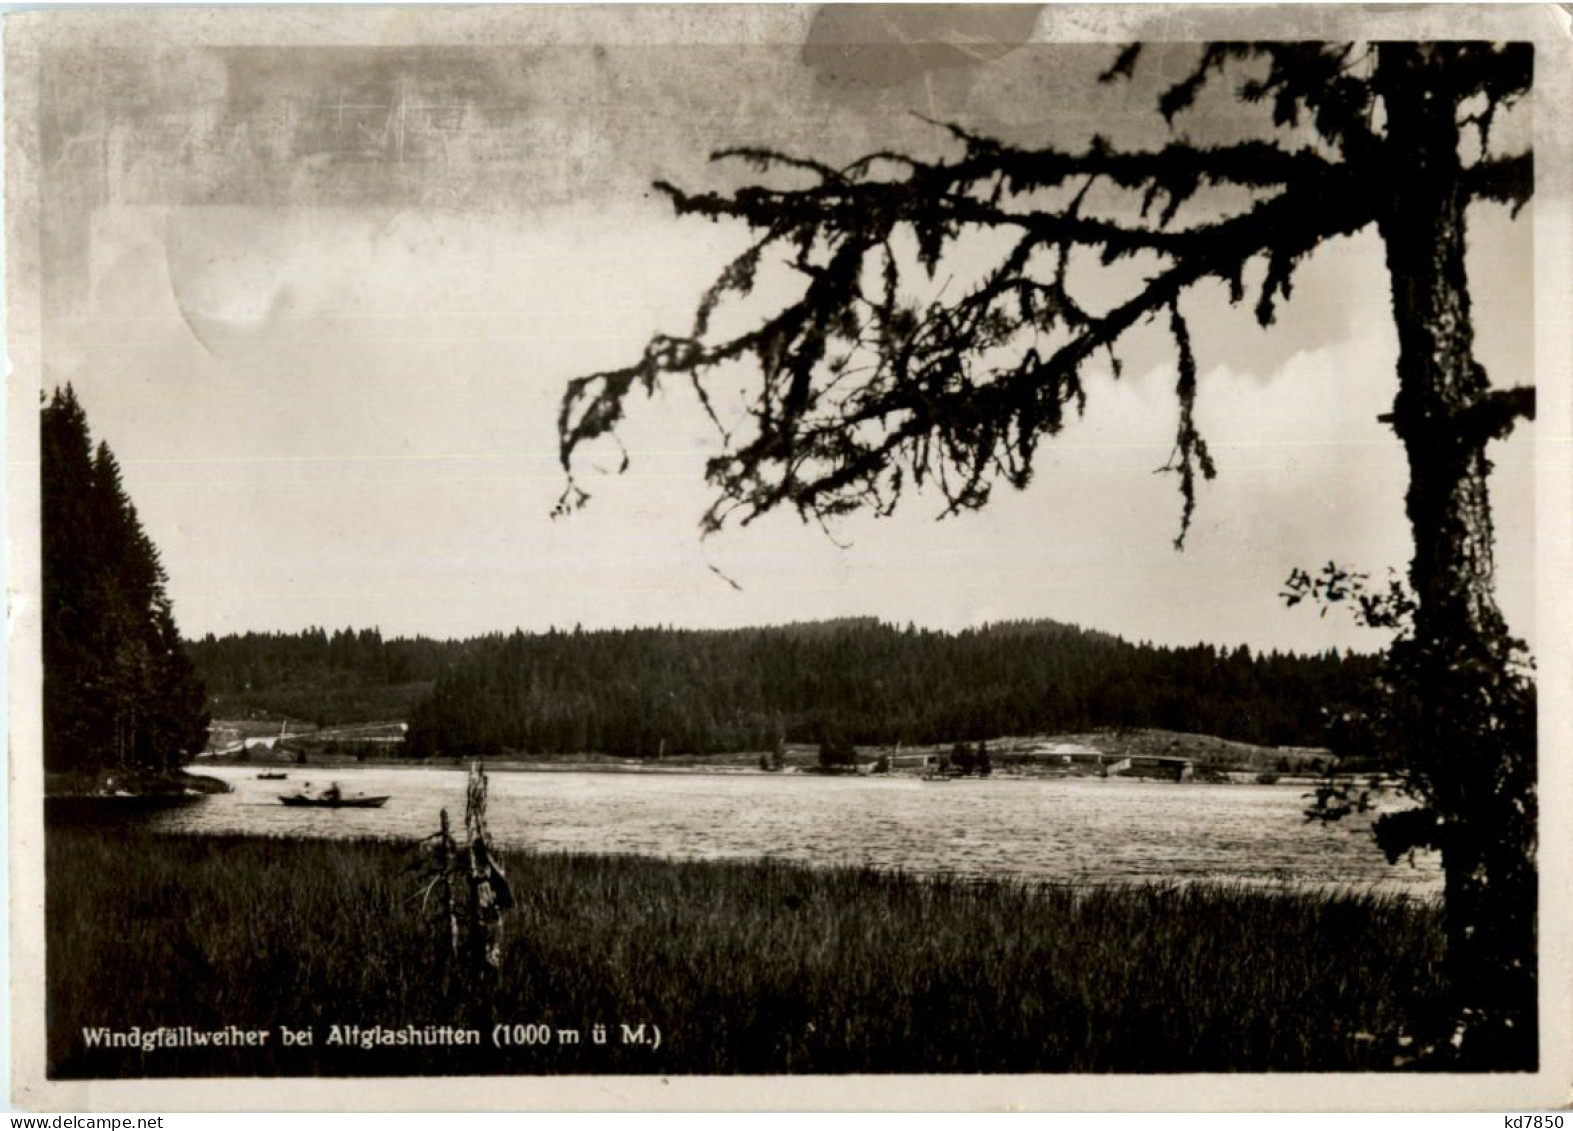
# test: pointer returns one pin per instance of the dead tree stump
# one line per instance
(473, 894)
(490, 895)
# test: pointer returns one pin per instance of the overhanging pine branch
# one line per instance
(914, 409)
(933, 414)
(1252, 164)
(875, 208)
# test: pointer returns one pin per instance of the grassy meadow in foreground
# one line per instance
(748, 967)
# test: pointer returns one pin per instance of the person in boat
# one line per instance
(333, 792)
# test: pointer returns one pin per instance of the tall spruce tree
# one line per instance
(864, 391)
(119, 691)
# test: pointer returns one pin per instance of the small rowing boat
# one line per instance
(304, 801)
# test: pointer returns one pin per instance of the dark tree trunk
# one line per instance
(1474, 730)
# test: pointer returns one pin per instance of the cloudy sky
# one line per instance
(322, 295)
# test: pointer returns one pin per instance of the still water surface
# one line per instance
(1082, 830)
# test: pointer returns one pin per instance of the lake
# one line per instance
(1078, 830)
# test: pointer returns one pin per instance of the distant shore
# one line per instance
(610, 766)
(1212, 759)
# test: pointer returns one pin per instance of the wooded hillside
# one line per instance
(652, 691)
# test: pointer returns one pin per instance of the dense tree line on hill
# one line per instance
(271, 659)
(346, 676)
(651, 691)
(119, 691)
(642, 692)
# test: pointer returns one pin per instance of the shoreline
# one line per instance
(515, 765)
(130, 786)
(1142, 754)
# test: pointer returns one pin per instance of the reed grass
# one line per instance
(745, 967)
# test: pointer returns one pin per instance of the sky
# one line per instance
(323, 300)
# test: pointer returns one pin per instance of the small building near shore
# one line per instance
(1061, 754)
(1183, 769)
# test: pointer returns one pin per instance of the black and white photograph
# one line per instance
(773, 556)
